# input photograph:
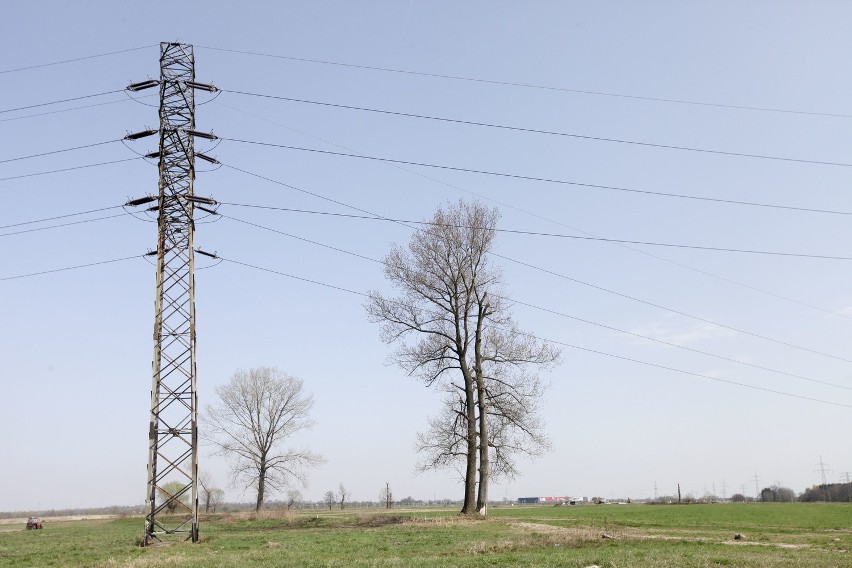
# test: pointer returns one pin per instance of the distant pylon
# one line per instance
(822, 469)
(172, 489)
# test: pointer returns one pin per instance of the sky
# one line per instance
(628, 416)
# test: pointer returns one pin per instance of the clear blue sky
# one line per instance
(77, 345)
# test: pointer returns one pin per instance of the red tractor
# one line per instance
(34, 523)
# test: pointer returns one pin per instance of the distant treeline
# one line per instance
(828, 492)
(232, 507)
(835, 492)
(113, 510)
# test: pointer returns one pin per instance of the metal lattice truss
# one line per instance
(172, 491)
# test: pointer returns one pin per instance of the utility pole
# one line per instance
(822, 468)
(171, 498)
(756, 487)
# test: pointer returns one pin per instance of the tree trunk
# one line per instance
(469, 505)
(484, 462)
(261, 486)
(482, 404)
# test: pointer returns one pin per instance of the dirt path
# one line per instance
(636, 534)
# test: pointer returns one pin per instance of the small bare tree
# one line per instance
(174, 494)
(258, 411)
(216, 497)
(294, 496)
(343, 493)
(386, 497)
(330, 499)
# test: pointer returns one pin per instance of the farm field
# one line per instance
(794, 534)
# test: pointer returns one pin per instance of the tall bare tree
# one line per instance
(258, 411)
(453, 328)
(508, 397)
(344, 494)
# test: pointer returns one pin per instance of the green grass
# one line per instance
(677, 536)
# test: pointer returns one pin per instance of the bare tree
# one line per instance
(205, 480)
(294, 496)
(453, 328)
(514, 428)
(343, 493)
(210, 495)
(330, 499)
(175, 494)
(215, 498)
(257, 411)
(386, 497)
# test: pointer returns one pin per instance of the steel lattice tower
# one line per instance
(172, 489)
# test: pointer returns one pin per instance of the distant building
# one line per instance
(546, 500)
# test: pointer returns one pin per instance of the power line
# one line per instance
(671, 310)
(58, 151)
(562, 343)
(552, 311)
(299, 189)
(552, 235)
(303, 239)
(540, 131)
(544, 218)
(62, 225)
(17, 276)
(45, 219)
(61, 101)
(547, 271)
(124, 100)
(513, 176)
(69, 169)
(532, 86)
(76, 59)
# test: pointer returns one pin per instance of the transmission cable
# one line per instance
(508, 175)
(61, 101)
(58, 151)
(752, 334)
(65, 216)
(530, 85)
(124, 100)
(550, 235)
(68, 224)
(68, 169)
(544, 218)
(578, 184)
(549, 310)
(561, 343)
(77, 59)
(539, 131)
(17, 276)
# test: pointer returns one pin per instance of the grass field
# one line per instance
(795, 534)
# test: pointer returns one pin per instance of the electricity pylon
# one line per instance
(172, 489)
